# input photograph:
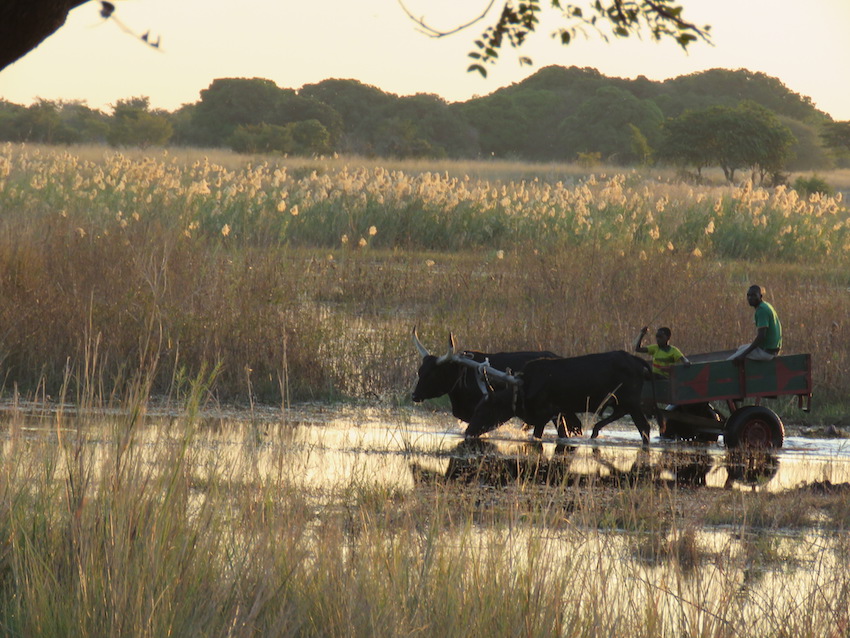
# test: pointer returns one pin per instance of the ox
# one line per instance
(546, 387)
(452, 374)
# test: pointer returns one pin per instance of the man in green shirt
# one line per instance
(768, 340)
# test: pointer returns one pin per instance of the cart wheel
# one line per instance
(754, 426)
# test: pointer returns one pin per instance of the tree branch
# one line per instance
(24, 24)
(436, 33)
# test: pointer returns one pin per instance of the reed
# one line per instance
(178, 531)
(302, 278)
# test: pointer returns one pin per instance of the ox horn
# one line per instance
(422, 349)
(450, 353)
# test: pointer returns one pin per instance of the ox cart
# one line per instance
(716, 397)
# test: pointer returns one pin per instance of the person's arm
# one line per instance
(639, 339)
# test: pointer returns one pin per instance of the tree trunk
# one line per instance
(24, 24)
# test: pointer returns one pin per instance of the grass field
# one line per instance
(128, 278)
(303, 278)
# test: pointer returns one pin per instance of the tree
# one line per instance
(684, 141)
(134, 124)
(229, 103)
(603, 124)
(747, 136)
(836, 135)
(25, 23)
(261, 138)
(52, 122)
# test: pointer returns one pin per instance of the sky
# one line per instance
(804, 43)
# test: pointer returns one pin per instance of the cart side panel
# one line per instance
(789, 374)
(701, 382)
(721, 380)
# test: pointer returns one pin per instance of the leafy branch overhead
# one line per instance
(518, 20)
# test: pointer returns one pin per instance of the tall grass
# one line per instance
(302, 278)
(180, 539)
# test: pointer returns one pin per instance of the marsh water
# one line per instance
(332, 445)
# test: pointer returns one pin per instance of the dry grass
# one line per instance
(115, 529)
(305, 286)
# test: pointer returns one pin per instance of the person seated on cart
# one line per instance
(768, 339)
(663, 354)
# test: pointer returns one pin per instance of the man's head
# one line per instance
(662, 336)
(754, 294)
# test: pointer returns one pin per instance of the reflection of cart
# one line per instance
(714, 397)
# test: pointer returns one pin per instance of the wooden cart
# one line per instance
(714, 396)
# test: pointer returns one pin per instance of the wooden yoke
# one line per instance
(484, 371)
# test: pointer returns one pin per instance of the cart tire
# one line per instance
(754, 426)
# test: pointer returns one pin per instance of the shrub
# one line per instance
(814, 184)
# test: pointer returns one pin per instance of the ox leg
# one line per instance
(538, 429)
(616, 414)
(641, 424)
(568, 425)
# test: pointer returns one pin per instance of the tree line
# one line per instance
(719, 118)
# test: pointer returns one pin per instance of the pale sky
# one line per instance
(804, 43)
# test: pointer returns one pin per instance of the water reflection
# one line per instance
(499, 464)
(326, 446)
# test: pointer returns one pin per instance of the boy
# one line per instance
(663, 354)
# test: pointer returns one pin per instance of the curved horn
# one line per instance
(450, 352)
(422, 349)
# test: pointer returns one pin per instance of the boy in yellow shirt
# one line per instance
(663, 354)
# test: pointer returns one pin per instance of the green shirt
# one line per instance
(662, 359)
(766, 317)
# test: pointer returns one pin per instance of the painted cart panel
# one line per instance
(720, 380)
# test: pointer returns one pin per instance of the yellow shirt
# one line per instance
(663, 359)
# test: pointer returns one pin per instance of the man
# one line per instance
(768, 340)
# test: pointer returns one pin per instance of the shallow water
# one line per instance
(333, 445)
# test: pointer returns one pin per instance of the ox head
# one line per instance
(437, 375)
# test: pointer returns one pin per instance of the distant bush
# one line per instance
(814, 184)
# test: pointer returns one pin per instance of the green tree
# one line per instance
(83, 123)
(807, 152)
(134, 124)
(10, 114)
(232, 102)
(400, 137)
(360, 106)
(309, 137)
(640, 145)
(433, 121)
(41, 123)
(261, 138)
(685, 141)
(229, 103)
(603, 124)
(748, 136)
(836, 137)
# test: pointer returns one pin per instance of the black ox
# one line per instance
(547, 387)
(449, 374)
